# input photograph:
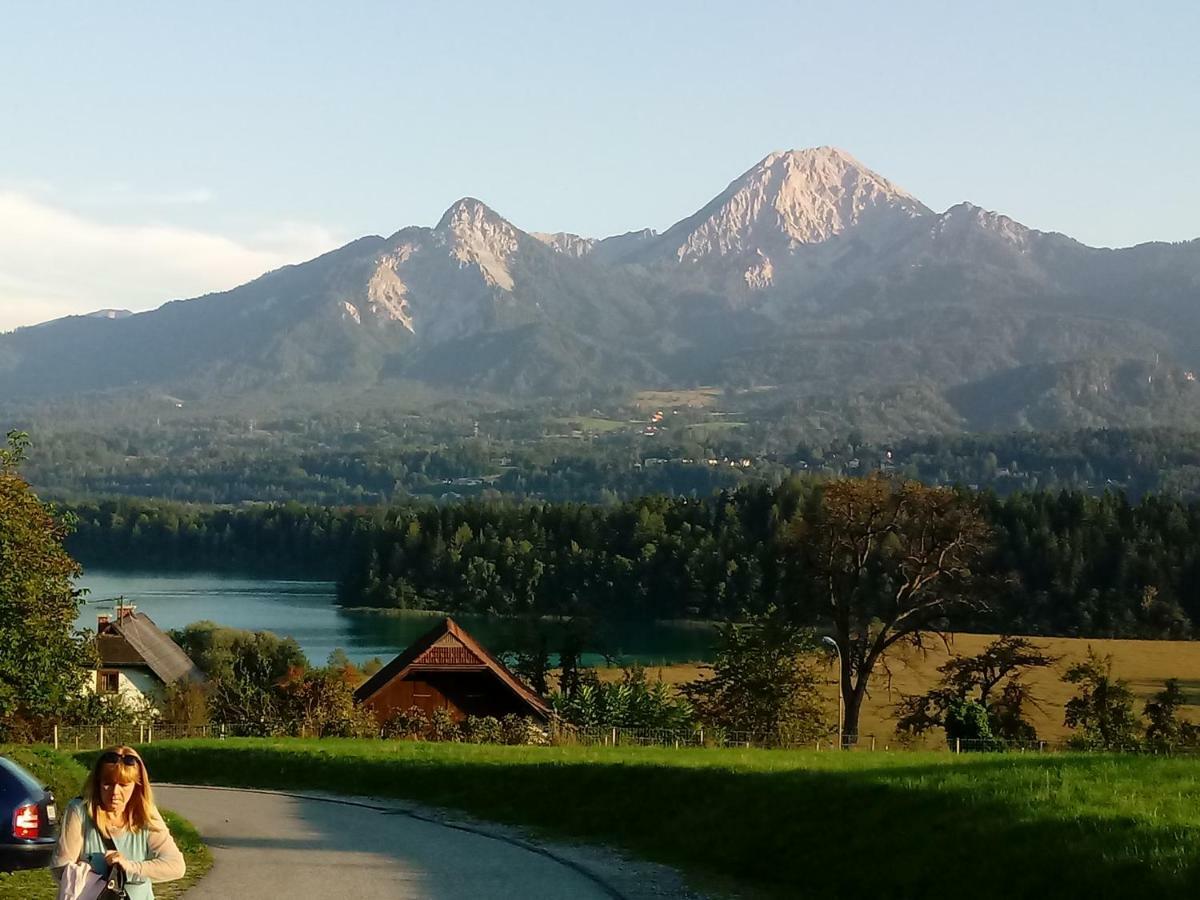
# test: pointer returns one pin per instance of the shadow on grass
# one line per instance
(999, 827)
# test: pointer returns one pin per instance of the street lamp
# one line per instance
(828, 641)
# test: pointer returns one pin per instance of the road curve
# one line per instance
(273, 845)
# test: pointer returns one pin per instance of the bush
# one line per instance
(632, 702)
(1166, 732)
(483, 730)
(764, 681)
(968, 726)
(1102, 712)
(408, 724)
(522, 730)
(442, 726)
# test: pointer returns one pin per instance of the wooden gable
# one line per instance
(446, 668)
(449, 651)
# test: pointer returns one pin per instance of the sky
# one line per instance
(153, 151)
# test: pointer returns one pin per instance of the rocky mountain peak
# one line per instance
(789, 199)
(967, 218)
(468, 212)
(566, 243)
(477, 235)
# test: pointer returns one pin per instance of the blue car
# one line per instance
(28, 820)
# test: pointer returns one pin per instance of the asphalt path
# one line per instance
(273, 845)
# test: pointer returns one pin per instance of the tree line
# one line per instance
(1069, 564)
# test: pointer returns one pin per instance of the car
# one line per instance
(28, 819)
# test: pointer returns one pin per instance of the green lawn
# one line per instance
(786, 824)
(65, 777)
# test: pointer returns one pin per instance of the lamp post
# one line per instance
(828, 641)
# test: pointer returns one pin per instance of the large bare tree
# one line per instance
(887, 561)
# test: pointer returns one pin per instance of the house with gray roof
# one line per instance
(137, 658)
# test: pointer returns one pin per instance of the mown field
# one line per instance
(65, 777)
(700, 397)
(1145, 664)
(777, 824)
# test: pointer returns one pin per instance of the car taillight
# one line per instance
(25, 821)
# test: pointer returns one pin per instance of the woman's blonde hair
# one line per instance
(121, 765)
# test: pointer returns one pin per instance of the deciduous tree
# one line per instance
(1102, 712)
(991, 679)
(43, 659)
(765, 680)
(888, 561)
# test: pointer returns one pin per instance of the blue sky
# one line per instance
(150, 151)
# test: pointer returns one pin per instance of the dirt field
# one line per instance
(1144, 664)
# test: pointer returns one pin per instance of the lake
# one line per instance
(308, 612)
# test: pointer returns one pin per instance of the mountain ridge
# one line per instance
(808, 273)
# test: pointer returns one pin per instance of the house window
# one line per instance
(108, 682)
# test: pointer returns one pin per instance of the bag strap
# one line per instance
(104, 838)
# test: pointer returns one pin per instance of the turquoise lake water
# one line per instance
(307, 611)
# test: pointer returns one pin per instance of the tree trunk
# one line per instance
(853, 698)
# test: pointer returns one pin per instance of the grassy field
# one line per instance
(703, 430)
(65, 776)
(590, 424)
(1145, 664)
(786, 824)
(700, 397)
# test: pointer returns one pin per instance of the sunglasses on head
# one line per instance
(127, 758)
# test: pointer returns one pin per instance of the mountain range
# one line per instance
(809, 276)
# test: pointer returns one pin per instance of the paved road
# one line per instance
(275, 846)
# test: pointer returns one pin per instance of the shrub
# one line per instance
(764, 681)
(522, 730)
(442, 726)
(321, 703)
(408, 723)
(1166, 732)
(483, 730)
(968, 726)
(1102, 712)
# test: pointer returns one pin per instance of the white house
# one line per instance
(137, 659)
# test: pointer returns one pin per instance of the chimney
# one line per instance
(124, 610)
(101, 621)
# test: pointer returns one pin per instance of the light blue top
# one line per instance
(133, 845)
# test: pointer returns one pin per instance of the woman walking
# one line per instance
(116, 824)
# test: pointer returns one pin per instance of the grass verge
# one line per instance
(785, 824)
(65, 777)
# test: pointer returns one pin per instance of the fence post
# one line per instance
(101, 737)
(958, 745)
(818, 744)
(149, 734)
(614, 737)
(872, 743)
(141, 734)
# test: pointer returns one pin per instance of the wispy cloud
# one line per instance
(55, 263)
(119, 193)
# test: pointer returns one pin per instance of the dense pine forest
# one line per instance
(1063, 563)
